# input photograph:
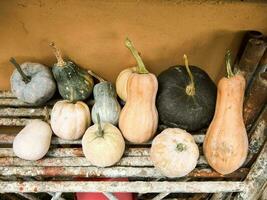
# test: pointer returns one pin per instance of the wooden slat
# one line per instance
(6, 94)
(24, 112)
(76, 152)
(11, 102)
(136, 186)
(8, 139)
(145, 172)
(80, 161)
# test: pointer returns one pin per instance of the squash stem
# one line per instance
(228, 64)
(141, 69)
(25, 78)
(57, 52)
(190, 89)
(180, 147)
(100, 130)
(93, 74)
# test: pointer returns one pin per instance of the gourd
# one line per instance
(32, 83)
(103, 144)
(174, 152)
(186, 97)
(106, 104)
(70, 120)
(33, 141)
(121, 82)
(139, 117)
(226, 143)
(74, 83)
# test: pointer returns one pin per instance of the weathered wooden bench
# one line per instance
(58, 171)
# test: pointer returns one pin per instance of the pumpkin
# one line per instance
(33, 141)
(121, 82)
(103, 144)
(70, 120)
(106, 104)
(186, 97)
(139, 117)
(74, 83)
(226, 143)
(32, 82)
(174, 152)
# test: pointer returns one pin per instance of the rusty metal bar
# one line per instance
(115, 171)
(256, 178)
(80, 161)
(160, 196)
(135, 186)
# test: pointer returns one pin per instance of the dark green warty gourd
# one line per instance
(74, 83)
(186, 97)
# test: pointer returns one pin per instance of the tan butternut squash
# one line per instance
(139, 117)
(121, 82)
(226, 142)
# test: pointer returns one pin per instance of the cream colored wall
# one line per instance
(92, 32)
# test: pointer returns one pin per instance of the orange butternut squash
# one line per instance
(139, 117)
(226, 142)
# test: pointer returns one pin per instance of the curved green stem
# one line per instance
(190, 89)
(93, 74)
(141, 69)
(228, 64)
(25, 78)
(100, 130)
(57, 52)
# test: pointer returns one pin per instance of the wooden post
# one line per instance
(256, 94)
(251, 57)
(256, 178)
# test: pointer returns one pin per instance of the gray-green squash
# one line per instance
(74, 83)
(32, 83)
(106, 103)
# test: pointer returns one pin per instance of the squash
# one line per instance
(74, 83)
(33, 141)
(186, 97)
(174, 152)
(226, 143)
(139, 117)
(121, 82)
(70, 120)
(106, 103)
(32, 83)
(103, 144)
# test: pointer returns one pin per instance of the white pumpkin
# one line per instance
(174, 152)
(103, 144)
(70, 120)
(33, 141)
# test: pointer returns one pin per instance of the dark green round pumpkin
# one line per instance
(186, 97)
(74, 83)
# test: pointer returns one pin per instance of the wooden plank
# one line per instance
(76, 152)
(11, 102)
(135, 186)
(6, 138)
(6, 94)
(134, 172)
(80, 161)
(14, 121)
(256, 178)
(24, 112)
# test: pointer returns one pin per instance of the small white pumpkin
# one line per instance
(103, 144)
(33, 141)
(70, 120)
(174, 152)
